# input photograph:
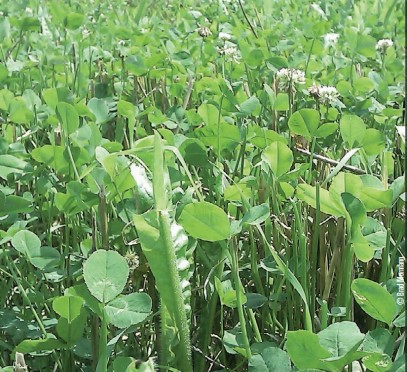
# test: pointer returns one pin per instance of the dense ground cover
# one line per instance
(201, 186)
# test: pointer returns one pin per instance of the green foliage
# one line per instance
(213, 186)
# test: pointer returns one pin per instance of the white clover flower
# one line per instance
(313, 90)
(224, 36)
(203, 31)
(325, 94)
(331, 39)
(328, 95)
(383, 44)
(287, 77)
(231, 52)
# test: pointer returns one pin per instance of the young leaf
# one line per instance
(279, 157)
(105, 274)
(206, 221)
(128, 310)
(27, 243)
(341, 340)
(68, 307)
(374, 300)
(305, 351)
(271, 359)
(352, 129)
(68, 117)
(304, 122)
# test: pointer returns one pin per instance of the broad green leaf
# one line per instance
(271, 359)
(355, 208)
(68, 307)
(105, 274)
(250, 107)
(74, 20)
(346, 183)
(363, 250)
(378, 362)
(365, 45)
(255, 300)
(257, 214)
(18, 111)
(341, 340)
(281, 102)
(229, 136)
(194, 153)
(374, 142)
(26, 242)
(82, 291)
(398, 187)
(6, 98)
(363, 85)
(374, 300)
(209, 113)
(121, 363)
(378, 341)
(46, 258)
(326, 130)
(353, 130)
(305, 351)
(279, 157)
(304, 122)
(14, 204)
(46, 344)
(235, 192)
(10, 164)
(262, 137)
(233, 342)
(374, 199)
(328, 204)
(71, 332)
(206, 221)
(99, 109)
(68, 117)
(51, 155)
(135, 65)
(30, 24)
(54, 95)
(128, 310)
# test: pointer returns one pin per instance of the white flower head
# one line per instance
(287, 77)
(231, 53)
(224, 36)
(313, 90)
(325, 94)
(331, 39)
(328, 94)
(383, 44)
(204, 31)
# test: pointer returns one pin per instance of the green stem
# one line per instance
(102, 363)
(232, 257)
